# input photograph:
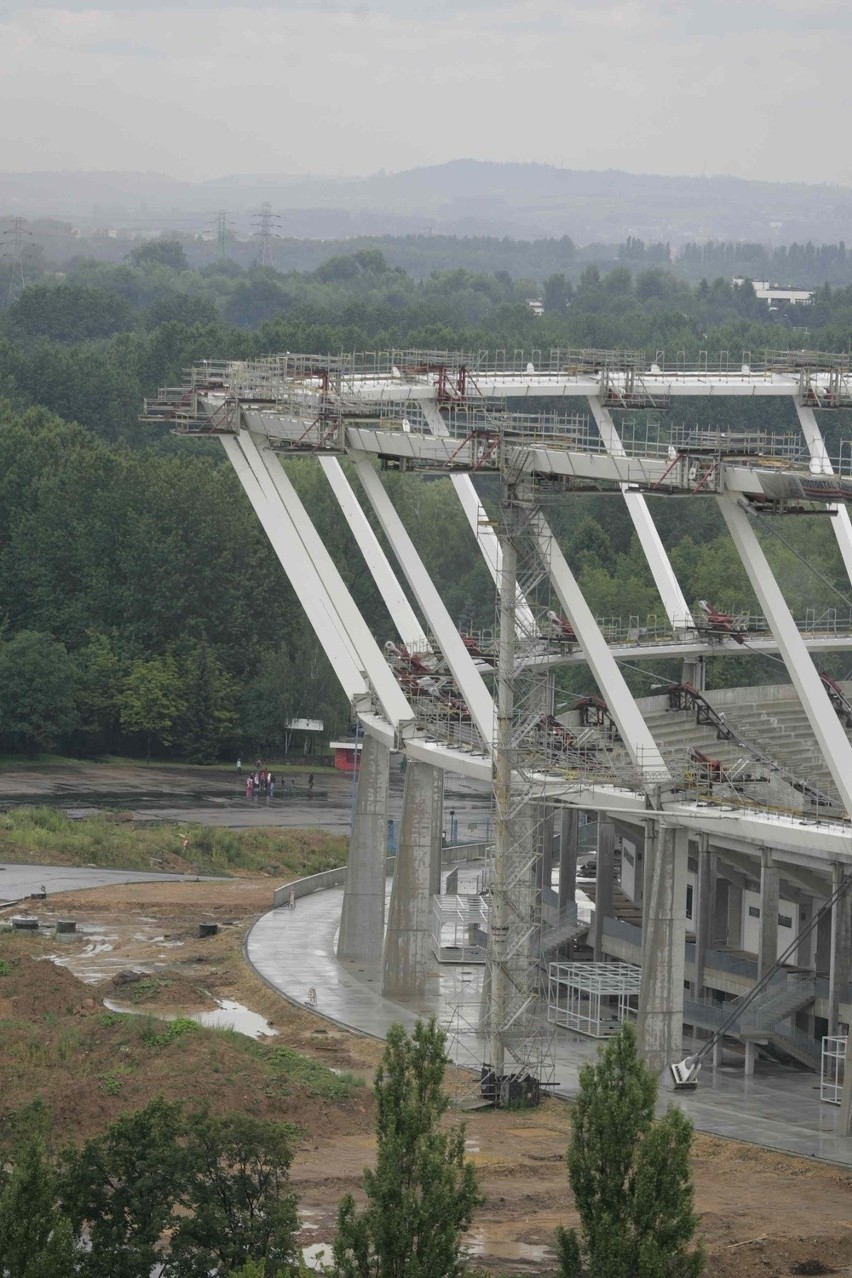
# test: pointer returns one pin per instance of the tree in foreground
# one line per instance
(630, 1176)
(421, 1197)
(36, 1238)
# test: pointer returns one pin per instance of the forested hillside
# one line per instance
(142, 608)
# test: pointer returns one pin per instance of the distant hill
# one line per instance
(461, 197)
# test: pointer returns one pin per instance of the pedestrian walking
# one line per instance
(239, 766)
(310, 783)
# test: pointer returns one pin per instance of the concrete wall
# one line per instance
(750, 940)
(316, 883)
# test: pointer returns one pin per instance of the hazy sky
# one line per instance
(755, 88)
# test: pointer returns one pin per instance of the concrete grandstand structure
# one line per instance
(730, 810)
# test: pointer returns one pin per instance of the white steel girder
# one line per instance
(653, 549)
(278, 488)
(380, 676)
(832, 740)
(477, 517)
(303, 576)
(402, 614)
(820, 463)
(638, 741)
(468, 679)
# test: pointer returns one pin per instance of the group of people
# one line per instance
(262, 781)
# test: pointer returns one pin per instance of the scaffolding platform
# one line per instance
(592, 998)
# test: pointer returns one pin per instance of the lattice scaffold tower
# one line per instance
(519, 1039)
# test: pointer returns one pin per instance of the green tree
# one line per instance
(121, 1189)
(36, 1237)
(421, 1197)
(160, 253)
(630, 1175)
(237, 1198)
(209, 695)
(36, 692)
(150, 702)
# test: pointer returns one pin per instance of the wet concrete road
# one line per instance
(214, 796)
(20, 881)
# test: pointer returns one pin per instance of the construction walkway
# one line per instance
(778, 1107)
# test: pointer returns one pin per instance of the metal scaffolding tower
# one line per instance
(520, 1042)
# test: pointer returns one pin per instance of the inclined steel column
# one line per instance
(408, 957)
(660, 1023)
(372, 659)
(362, 918)
(665, 580)
(468, 679)
(303, 576)
(825, 725)
(635, 733)
(840, 523)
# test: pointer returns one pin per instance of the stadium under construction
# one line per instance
(723, 843)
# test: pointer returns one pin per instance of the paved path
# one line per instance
(18, 881)
(294, 950)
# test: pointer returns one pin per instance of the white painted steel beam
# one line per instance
(477, 517)
(402, 614)
(468, 679)
(381, 678)
(302, 574)
(832, 740)
(635, 734)
(653, 549)
(841, 523)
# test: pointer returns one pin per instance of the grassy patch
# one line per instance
(43, 835)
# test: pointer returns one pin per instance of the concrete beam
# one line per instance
(362, 920)
(704, 909)
(840, 953)
(408, 957)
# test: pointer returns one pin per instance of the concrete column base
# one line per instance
(362, 920)
(408, 957)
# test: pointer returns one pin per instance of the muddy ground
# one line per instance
(761, 1213)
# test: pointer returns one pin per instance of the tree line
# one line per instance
(142, 610)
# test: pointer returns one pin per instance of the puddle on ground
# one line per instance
(317, 1257)
(228, 1015)
(478, 1244)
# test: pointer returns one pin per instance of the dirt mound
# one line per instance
(32, 989)
(161, 990)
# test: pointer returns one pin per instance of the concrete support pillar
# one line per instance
(363, 916)
(603, 884)
(735, 916)
(704, 909)
(694, 672)
(660, 1025)
(717, 1053)
(806, 949)
(841, 950)
(770, 891)
(417, 878)
(649, 857)
(750, 1056)
(569, 831)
